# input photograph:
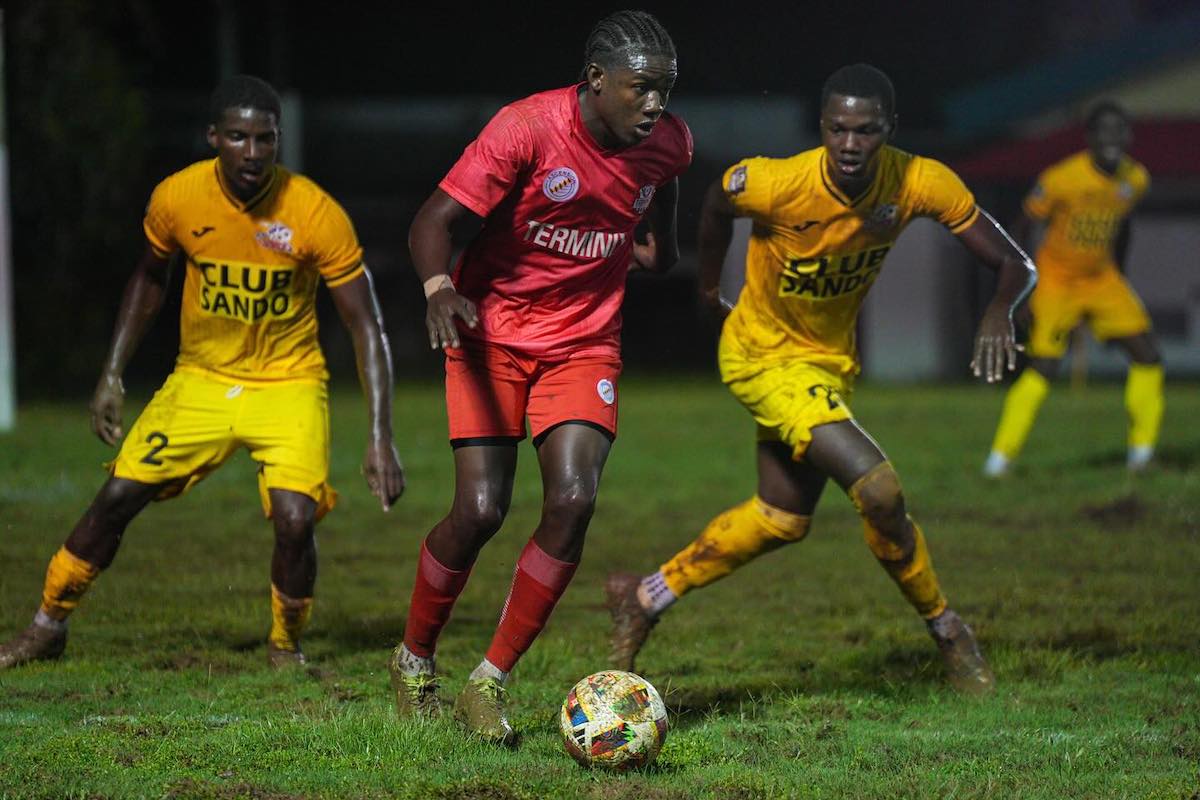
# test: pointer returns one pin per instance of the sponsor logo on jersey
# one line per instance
(737, 181)
(561, 184)
(882, 217)
(245, 292)
(808, 223)
(642, 201)
(202, 231)
(832, 275)
(572, 242)
(275, 236)
(607, 391)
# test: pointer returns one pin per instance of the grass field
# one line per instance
(804, 675)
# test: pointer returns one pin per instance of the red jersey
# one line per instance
(547, 272)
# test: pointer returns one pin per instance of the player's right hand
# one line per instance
(444, 305)
(106, 406)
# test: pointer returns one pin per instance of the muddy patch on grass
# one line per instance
(1119, 513)
(1099, 643)
(192, 789)
(477, 791)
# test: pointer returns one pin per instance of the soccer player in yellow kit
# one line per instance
(257, 240)
(824, 221)
(1085, 201)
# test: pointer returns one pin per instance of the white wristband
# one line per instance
(436, 284)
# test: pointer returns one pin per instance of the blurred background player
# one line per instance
(824, 221)
(560, 179)
(257, 240)
(1085, 202)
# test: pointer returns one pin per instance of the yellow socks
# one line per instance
(733, 538)
(67, 578)
(1020, 409)
(1144, 402)
(289, 617)
(912, 572)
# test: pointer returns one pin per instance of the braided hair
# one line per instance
(861, 80)
(243, 91)
(624, 33)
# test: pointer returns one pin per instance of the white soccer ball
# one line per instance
(613, 720)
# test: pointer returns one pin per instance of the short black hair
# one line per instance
(1105, 107)
(621, 32)
(243, 91)
(861, 80)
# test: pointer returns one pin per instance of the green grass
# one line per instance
(803, 675)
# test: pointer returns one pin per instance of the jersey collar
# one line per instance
(837, 193)
(233, 199)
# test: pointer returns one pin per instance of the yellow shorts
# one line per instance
(787, 398)
(195, 422)
(1106, 300)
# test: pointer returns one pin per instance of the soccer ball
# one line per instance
(613, 720)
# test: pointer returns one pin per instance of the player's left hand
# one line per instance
(383, 472)
(645, 256)
(996, 345)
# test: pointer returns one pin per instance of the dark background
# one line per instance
(105, 99)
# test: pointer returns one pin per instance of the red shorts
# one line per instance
(491, 389)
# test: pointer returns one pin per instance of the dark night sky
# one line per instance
(512, 49)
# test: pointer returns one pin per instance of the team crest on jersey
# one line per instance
(737, 181)
(276, 236)
(883, 217)
(561, 184)
(1125, 190)
(606, 390)
(642, 201)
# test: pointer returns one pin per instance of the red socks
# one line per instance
(538, 581)
(434, 592)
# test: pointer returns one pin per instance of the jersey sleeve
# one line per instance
(488, 168)
(336, 252)
(1141, 183)
(943, 196)
(1038, 203)
(159, 222)
(748, 187)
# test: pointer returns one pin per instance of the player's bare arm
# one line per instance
(996, 342)
(661, 250)
(716, 233)
(1121, 245)
(359, 310)
(140, 304)
(430, 241)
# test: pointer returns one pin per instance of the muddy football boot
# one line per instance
(282, 658)
(480, 709)
(416, 695)
(631, 623)
(966, 668)
(35, 643)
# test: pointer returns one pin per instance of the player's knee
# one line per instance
(294, 522)
(880, 500)
(479, 517)
(570, 505)
(117, 503)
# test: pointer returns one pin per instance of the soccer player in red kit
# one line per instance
(561, 179)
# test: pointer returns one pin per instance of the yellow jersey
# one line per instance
(1083, 208)
(814, 252)
(249, 295)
